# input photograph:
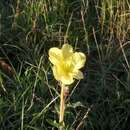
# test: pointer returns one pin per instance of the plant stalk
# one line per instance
(62, 107)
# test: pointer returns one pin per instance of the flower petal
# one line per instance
(79, 60)
(78, 74)
(67, 80)
(55, 55)
(67, 51)
(55, 73)
(59, 76)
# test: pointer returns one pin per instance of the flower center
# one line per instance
(66, 68)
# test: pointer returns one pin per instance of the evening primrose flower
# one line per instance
(66, 64)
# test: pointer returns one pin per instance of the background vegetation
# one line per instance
(29, 95)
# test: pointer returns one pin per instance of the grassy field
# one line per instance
(29, 94)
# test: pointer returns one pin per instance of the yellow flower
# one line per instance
(66, 64)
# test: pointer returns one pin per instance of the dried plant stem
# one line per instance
(62, 107)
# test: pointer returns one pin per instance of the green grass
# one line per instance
(29, 94)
